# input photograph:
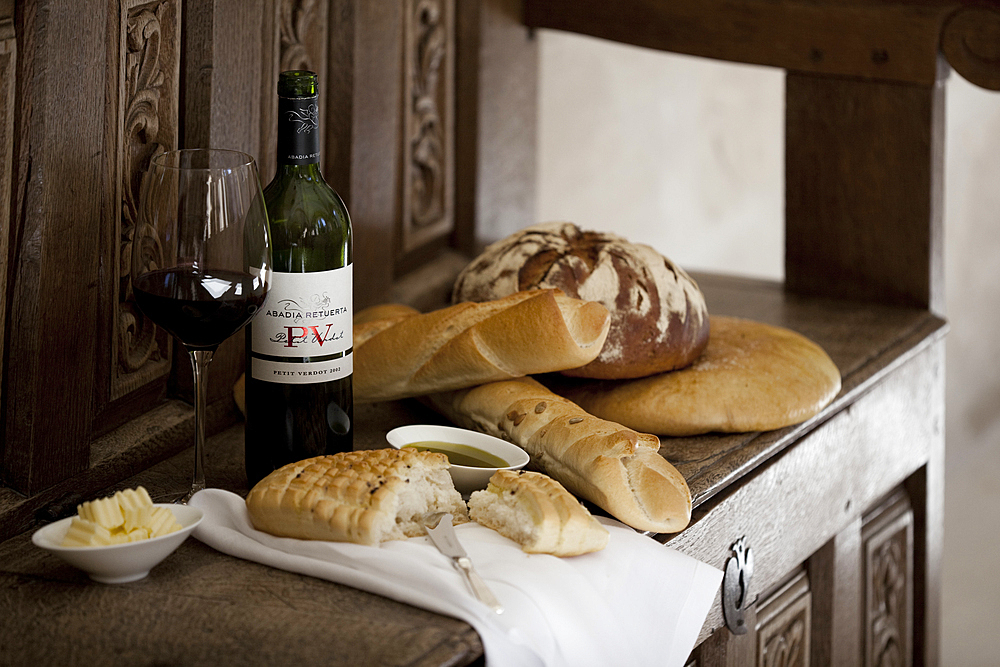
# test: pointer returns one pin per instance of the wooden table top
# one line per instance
(201, 607)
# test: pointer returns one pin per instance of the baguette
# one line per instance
(538, 513)
(399, 353)
(614, 467)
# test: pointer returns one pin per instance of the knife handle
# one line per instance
(477, 585)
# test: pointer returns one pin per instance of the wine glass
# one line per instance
(201, 262)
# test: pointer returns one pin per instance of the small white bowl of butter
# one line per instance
(124, 562)
(474, 456)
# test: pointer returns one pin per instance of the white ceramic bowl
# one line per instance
(467, 479)
(119, 563)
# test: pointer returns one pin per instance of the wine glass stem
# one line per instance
(199, 369)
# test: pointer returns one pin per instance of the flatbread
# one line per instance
(751, 377)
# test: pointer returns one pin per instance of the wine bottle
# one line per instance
(299, 399)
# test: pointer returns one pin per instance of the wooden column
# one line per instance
(835, 580)
(8, 81)
(497, 104)
(54, 244)
(221, 84)
(372, 176)
(863, 189)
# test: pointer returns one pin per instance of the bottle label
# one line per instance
(298, 130)
(305, 333)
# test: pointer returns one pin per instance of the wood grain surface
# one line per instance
(789, 509)
(202, 608)
(864, 94)
(787, 492)
(889, 41)
(881, 238)
(54, 245)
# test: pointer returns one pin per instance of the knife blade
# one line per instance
(444, 538)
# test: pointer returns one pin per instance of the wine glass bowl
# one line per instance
(202, 268)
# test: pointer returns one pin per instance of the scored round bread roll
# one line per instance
(659, 320)
(366, 497)
(538, 513)
(751, 377)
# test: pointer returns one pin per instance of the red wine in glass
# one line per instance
(200, 308)
(201, 258)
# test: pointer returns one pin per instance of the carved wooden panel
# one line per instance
(295, 37)
(147, 124)
(888, 577)
(428, 122)
(784, 623)
(8, 77)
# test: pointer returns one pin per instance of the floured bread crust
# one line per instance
(366, 497)
(751, 377)
(659, 320)
(538, 513)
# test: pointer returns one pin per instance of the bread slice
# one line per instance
(365, 497)
(538, 513)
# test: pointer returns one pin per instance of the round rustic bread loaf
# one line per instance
(659, 321)
(752, 377)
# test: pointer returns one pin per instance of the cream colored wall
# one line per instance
(660, 148)
(686, 154)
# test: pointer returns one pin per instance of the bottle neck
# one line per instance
(298, 134)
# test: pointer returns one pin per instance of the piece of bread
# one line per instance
(366, 497)
(385, 315)
(538, 513)
(614, 467)
(752, 377)
(659, 320)
(409, 354)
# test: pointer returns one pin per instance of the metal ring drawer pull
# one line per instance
(736, 586)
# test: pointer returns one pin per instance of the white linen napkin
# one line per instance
(634, 603)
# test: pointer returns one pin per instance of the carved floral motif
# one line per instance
(296, 17)
(141, 126)
(427, 138)
(887, 607)
(142, 351)
(888, 539)
(784, 625)
(428, 94)
(786, 648)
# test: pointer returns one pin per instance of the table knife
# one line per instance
(444, 538)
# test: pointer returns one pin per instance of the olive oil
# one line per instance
(460, 455)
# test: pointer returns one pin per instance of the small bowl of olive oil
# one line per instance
(474, 456)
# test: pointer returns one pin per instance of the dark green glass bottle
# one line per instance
(299, 350)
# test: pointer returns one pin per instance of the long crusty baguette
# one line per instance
(400, 353)
(613, 467)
